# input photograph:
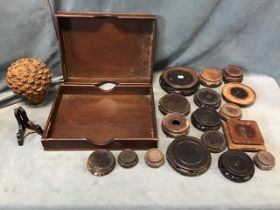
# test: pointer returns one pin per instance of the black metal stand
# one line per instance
(23, 124)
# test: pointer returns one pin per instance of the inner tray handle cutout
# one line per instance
(100, 143)
(107, 86)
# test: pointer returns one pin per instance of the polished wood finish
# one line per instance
(179, 79)
(97, 48)
(243, 135)
(239, 94)
(210, 77)
(230, 111)
(232, 73)
(175, 124)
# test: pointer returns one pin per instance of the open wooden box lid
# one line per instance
(100, 47)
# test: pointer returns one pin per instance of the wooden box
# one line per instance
(98, 48)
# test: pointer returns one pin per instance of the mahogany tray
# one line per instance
(98, 48)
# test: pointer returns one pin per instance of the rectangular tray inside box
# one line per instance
(85, 117)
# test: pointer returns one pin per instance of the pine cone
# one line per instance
(29, 77)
